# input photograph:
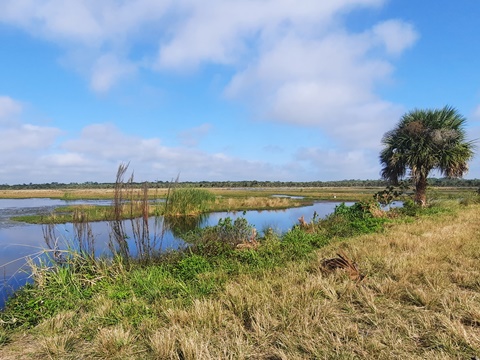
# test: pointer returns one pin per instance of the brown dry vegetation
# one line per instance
(68, 194)
(258, 202)
(420, 299)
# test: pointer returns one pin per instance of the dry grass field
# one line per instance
(420, 299)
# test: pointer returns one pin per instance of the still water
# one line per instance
(20, 241)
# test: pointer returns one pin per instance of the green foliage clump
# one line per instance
(298, 243)
(391, 193)
(410, 208)
(190, 267)
(359, 218)
(4, 337)
(223, 237)
(188, 201)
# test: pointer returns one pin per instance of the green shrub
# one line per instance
(410, 208)
(189, 267)
(221, 238)
(359, 218)
(359, 210)
(298, 243)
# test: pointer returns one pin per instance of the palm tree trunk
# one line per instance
(421, 191)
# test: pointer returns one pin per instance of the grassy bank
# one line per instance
(270, 298)
(235, 199)
(324, 193)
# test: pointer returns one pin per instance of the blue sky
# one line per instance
(225, 89)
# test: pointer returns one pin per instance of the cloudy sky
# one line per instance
(298, 90)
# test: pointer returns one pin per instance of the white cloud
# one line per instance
(108, 70)
(101, 147)
(297, 64)
(396, 35)
(218, 31)
(8, 109)
(84, 22)
(65, 160)
(97, 35)
(108, 143)
(260, 39)
(98, 150)
(327, 82)
(52, 19)
(22, 143)
(18, 136)
(28, 137)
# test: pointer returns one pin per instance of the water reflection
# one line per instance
(180, 225)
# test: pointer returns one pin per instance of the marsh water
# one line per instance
(21, 242)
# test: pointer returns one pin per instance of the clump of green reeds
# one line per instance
(188, 201)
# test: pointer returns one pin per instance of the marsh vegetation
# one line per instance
(239, 293)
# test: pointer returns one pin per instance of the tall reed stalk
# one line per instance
(118, 238)
(145, 242)
(138, 204)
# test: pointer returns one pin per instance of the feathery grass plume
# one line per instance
(118, 236)
(140, 226)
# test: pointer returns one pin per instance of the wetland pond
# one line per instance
(20, 241)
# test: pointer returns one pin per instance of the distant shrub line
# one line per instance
(441, 182)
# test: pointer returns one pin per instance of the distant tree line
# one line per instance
(440, 182)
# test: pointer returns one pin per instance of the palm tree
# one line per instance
(424, 140)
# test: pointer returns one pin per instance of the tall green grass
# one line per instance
(188, 202)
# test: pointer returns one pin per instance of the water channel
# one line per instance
(20, 241)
